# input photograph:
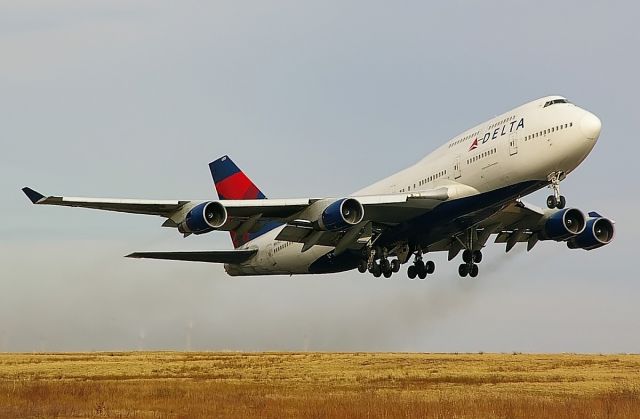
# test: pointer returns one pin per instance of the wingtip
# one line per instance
(33, 196)
(133, 255)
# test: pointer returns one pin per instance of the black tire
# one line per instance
(422, 274)
(477, 256)
(552, 202)
(419, 265)
(562, 203)
(379, 252)
(473, 272)
(463, 269)
(362, 266)
(395, 265)
(430, 266)
(412, 272)
(387, 274)
(467, 256)
(385, 265)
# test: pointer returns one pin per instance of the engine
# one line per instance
(204, 218)
(564, 224)
(341, 214)
(598, 232)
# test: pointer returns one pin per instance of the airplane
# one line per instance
(452, 200)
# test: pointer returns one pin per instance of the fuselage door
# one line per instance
(513, 143)
(457, 170)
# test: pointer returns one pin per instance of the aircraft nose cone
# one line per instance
(590, 126)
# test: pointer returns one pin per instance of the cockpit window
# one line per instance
(553, 102)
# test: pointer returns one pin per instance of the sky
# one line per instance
(133, 99)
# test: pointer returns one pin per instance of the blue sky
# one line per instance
(133, 99)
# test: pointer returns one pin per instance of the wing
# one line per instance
(390, 208)
(172, 209)
(298, 215)
(216, 256)
(164, 208)
(516, 223)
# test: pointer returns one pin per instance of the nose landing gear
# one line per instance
(556, 200)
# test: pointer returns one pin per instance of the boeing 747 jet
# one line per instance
(453, 200)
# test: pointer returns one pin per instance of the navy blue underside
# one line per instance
(445, 220)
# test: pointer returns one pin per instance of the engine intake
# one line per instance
(564, 224)
(204, 218)
(341, 214)
(598, 232)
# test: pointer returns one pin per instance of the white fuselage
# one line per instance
(527, 143)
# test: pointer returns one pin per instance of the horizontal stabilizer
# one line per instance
(214, 256)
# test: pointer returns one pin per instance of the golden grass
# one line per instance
(280, 385)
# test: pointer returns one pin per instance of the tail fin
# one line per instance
(232, 183)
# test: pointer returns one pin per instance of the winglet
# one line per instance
(33, 196)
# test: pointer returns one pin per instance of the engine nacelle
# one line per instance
(598, 232)
(204, 218)
(564, 224)
(341, 214)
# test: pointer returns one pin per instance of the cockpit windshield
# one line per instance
(554, 101)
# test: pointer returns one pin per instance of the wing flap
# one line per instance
(213, 256)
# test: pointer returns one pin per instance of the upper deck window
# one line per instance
(553, 102)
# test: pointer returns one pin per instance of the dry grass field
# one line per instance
(318, 385)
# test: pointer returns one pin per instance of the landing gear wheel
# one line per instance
(477, 256)
(463, 269)
(376, 270)
(412, 272)
(387, 274)
(362, 266)
(562, 202)
(385, 265)
(473, 271)
(430, 267)
(395, 265)
(467, 256)
(552, 202)
(419, 265)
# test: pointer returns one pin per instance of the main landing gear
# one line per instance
(470, 259)
(420, 268)
(383, 267)
(376, 261)
(556, 200)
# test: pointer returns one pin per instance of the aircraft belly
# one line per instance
(455, 216)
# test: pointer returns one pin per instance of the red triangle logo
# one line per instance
(474, 145)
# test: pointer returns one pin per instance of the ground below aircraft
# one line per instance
(452, 200)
